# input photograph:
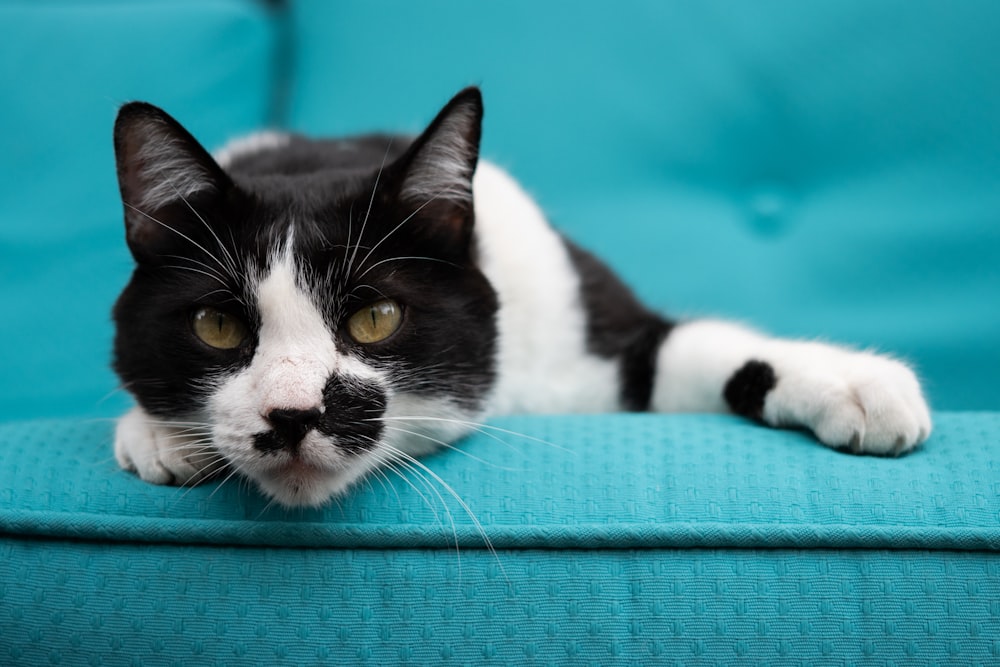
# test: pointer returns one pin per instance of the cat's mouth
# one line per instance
(305, 479)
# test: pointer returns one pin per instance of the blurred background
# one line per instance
(824, 169)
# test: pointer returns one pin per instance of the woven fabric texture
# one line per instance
(66, 67)
(567, 482)
(78, 603)
(619, 540)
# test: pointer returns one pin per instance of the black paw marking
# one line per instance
(747, 388)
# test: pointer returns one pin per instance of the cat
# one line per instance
(302, 312)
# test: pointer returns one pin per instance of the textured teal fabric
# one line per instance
(671, 481)
(824, 168)
(65, 67)
(816, 168)
(134, 605)
(697, 540)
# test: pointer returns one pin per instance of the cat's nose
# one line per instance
(289, 426)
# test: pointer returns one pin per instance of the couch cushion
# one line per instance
(671, 481)
(629, 539)
(89, 603)
(65, 67)
(820, 169)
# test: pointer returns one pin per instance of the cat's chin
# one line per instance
(297, 484)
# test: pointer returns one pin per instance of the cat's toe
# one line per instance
(154, 455)
(884, 413)
(854, 401)
(897, 416)
(154, 471)
(840, 422)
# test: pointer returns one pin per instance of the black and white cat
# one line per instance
(305, 311)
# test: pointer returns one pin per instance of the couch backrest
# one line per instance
(820, 169)
(826, 169)
(65, 67)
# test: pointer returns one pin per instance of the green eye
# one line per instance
(375, 322)
(218, 329)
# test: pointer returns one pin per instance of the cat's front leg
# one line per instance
(863, 402)
(164, 453)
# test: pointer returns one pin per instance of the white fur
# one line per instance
(868, 402)
(164, 452)
(543, 361)
(697, 360)
(294, 359)
(249, 145)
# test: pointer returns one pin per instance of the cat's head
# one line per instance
(312, 309)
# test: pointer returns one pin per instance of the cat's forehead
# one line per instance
(332, 192)
(322, 182)
(259, 226)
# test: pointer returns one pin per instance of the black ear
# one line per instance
(438, 167)
(164, 174)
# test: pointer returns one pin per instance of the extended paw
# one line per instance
(865, 403)
(163, 454)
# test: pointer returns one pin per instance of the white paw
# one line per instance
(163, 454)
(863, 402)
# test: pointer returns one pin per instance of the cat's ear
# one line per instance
(438, 167)
(164, 174)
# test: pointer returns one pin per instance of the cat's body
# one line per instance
(305, 311)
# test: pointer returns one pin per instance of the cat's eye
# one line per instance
(218, 329)
(375, 322)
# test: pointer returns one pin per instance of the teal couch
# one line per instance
(819, 169)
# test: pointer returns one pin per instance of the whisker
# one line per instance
(205, 266)
(477, 426)
(350, 225)
(397, 227)
(451, 447)
(371, 201)
(219, 291)
(180, 234)
(398, 259)
(180, 424)
(383, 480)
(188, 486)
(193, 270)
(458, 499)
(107, 397)
(270, 502)
(423, 479)
(357, 288)
(389, 464)
(235, 471)
(345, 262)
(229, 258)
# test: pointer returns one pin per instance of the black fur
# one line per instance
(619, 327)
(343, 199)
(746, 390)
